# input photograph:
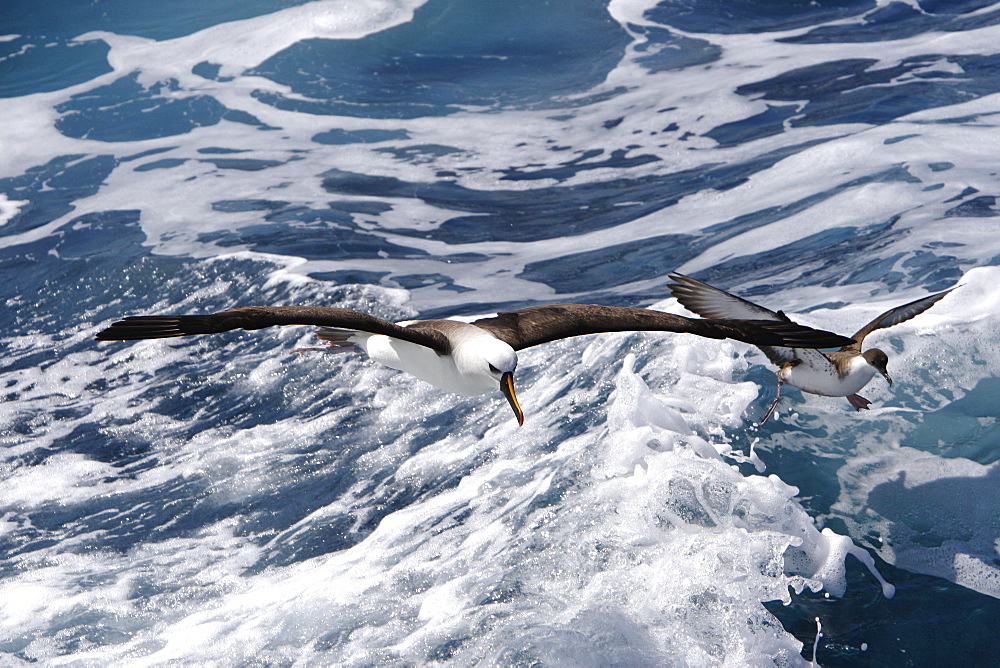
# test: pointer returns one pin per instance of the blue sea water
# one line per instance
(226, 501)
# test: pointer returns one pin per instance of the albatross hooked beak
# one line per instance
(507, 387)
(885, 374)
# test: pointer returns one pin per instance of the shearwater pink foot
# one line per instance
(858, 401)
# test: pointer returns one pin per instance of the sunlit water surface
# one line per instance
(224, 500)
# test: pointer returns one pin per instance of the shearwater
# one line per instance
(841, 373)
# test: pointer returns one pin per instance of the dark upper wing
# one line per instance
(541, 324)
(709, 302)
(895, 316)
(258, 317)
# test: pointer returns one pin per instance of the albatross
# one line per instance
(466, 358)
(841, 373)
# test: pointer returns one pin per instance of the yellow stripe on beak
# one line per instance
(507, 387)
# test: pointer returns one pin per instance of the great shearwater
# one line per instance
(841, 373)
(466, 358)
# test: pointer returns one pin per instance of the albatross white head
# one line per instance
(487, 361)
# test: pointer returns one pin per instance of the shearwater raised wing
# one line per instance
(840, 373)
(466, 358)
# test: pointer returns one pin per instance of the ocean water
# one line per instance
(226, 501)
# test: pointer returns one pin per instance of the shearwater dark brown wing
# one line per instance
(540, 324)
(709, 302)
(257, 317)
(894, 317)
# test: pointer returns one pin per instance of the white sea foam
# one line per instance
(928, 508)
(631, 541)
(621, 544)
(240, 45)
(9, 208)
(176, 203)
(612, 528)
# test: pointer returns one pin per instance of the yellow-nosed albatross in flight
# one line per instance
(466, 358)
(841, 373)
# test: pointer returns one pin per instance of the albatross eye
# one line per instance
(494, 369)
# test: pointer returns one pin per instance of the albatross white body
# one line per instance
(466, 371)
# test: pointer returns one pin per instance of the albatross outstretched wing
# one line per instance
(258, 317)
(540, 324)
